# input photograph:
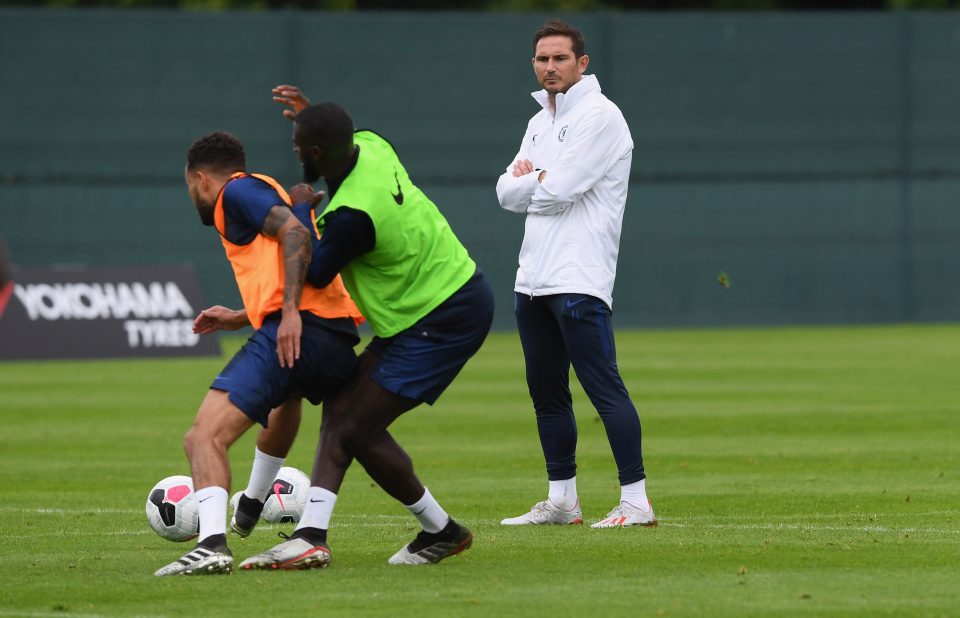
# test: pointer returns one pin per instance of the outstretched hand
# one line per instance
(292, 96)
(219, 318)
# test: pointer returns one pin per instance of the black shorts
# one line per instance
(256, 383)
(420, 362)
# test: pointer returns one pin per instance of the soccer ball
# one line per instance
(172, 509)
(287, 498)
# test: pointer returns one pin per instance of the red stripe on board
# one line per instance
(5, 293)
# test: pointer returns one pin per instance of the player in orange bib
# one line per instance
(302, 345)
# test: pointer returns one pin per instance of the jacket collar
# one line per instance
(588, 84)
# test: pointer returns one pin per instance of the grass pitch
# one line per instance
(808, 472)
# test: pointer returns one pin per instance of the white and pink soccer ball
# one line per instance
(287, 497)
(172, 509)
(172, 504)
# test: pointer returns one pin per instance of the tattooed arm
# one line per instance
(295, 240)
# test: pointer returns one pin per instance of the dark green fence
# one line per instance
(814, 158)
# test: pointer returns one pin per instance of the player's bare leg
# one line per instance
(282, 426)
(216, 427)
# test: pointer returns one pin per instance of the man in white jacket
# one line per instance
(570, 178)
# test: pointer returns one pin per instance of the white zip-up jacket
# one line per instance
(572, 232)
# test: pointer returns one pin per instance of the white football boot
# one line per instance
(430, 548)
(625, 515)
(545, 513)
(293, 554)
(200, 561)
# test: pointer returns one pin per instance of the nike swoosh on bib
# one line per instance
(398, 198)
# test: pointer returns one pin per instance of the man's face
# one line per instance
(556, 66)
(196, 182)
(307, 155)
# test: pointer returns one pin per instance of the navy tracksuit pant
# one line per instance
(557, 331)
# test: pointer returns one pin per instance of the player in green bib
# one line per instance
(417, 261)
(428, 305)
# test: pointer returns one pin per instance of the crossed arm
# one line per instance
(594, 145)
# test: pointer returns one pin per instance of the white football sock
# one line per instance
(636, 494)
(262, 474)
(429, 513)
(563, 493)
(319, 509)
(212, 508)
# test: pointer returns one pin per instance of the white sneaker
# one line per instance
(547, 512)
(430, 548)
(291, 555)
(200, 561)
(625, 515)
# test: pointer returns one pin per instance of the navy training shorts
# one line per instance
(420, 362)
(256, 383)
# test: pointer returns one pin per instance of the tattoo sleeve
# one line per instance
(295, 240)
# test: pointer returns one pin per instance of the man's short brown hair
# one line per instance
(219, 151)
(556, 27)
